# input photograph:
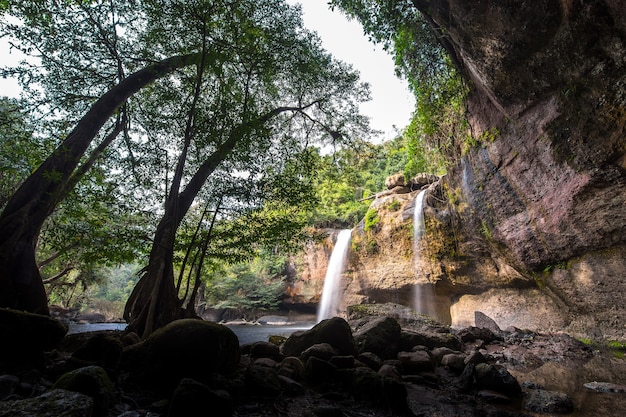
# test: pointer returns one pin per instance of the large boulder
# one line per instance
(25, 336)
(380, 336)
(335, 331)
(188, 348)
(490, 377)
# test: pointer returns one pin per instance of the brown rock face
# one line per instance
(547, 197)
(307, 272)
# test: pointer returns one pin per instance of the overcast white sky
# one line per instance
(392, 103)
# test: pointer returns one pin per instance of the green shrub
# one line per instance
(371, 219)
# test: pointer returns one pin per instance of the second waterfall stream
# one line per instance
(329, 303)
(424, 294)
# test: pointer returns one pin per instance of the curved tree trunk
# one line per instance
(156, 286)
(26, 211)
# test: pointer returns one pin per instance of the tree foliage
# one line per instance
(347, 179)
(422, 56)
(248, 288)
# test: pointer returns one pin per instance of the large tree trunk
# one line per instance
(26, 211)
(154, 301)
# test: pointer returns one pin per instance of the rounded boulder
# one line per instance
(187, 348)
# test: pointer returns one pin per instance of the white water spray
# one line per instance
(329, 303)
(423, 299)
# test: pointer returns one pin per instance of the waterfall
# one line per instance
(418, 222)
(423, 293)
(329, 303)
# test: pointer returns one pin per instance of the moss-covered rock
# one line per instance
(25, 336)
(92, 381)
(185, 348)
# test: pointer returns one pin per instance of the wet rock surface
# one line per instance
(513, 373)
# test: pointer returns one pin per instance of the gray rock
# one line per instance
(380, 336)
(470, 334)
(53, 403)
(419, 361)
(371, 360)
(273, 320)
(262, 380)
(335, 331)
(26, 335)
(440, 352)
(543, 401)
(475, 358)
(454, 361)
(430, 339)
(390, 371)
(327, 411)
(292, 367)
(484, 321)
(605, 387)
(264, 350)
(267, 362)
(322, 351)
(489, 377)
(100, 349)
(8, 384)
(318, 371)
(395, 180)
(290, 386)
(422, 179)
(343, 362)
(493, 396)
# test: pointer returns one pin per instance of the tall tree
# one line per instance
(76, 58)
(278, 85)
(80, 45)
(29, 207)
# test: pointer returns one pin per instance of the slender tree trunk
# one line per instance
(156, 286)
(26, 211)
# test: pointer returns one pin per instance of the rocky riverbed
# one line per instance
(368, 365)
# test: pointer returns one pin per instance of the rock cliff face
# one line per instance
(549, 193)
(530, 226)
(306, 272)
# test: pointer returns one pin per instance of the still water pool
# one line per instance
(245, 333)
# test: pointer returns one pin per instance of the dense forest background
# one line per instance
(247, 138)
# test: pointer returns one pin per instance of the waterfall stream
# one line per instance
(423, 297)
(329, 303)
